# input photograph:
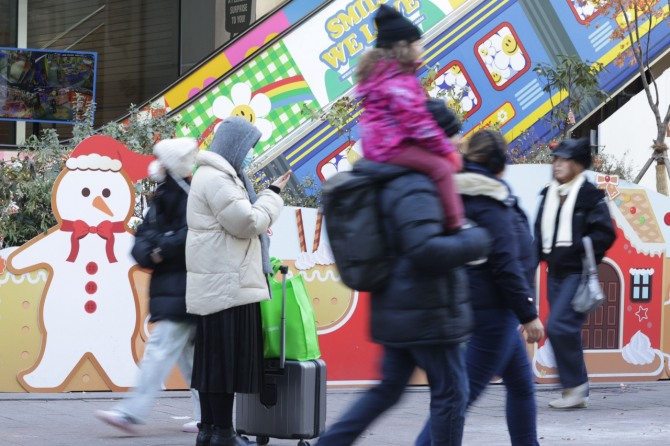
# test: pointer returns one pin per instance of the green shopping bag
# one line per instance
(302, 342)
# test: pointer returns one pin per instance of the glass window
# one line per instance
(137, 44)
(640, 282)
(8, 35)
(8, 22)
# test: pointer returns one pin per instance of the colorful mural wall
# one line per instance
(313, 65)
(485, 50)
(47, 301)
(74, 303)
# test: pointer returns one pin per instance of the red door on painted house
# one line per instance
(601, 329)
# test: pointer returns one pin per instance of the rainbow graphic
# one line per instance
(284, 92)
(287, 91)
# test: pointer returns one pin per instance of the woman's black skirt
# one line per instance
(229, 351)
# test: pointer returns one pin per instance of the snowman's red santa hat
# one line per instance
(105, 154)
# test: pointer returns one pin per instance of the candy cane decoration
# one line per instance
(317, 231)
(301, 230)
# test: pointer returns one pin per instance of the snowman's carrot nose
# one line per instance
(99, 203)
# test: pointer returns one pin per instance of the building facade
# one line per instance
(142, 46)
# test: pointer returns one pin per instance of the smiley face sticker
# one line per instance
(502, 56)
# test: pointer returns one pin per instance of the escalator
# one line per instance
(140, 48)
(312, 65)
(235, 54)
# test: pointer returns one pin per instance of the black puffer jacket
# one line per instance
(591, 217)
(505, 279)
(426, 301)
(165, 227)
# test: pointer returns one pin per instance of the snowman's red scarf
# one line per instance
(80, 229)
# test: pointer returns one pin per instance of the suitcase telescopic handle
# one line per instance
(282, 351)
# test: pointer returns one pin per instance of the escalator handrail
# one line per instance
(72, 28)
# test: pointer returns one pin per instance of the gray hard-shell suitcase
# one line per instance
(292, 403)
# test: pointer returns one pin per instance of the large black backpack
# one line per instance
(353, 217)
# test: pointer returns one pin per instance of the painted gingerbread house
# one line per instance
(628, 338)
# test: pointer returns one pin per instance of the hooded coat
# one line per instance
(223, 247)
(396, 116)
(505, 279)
(426, 300)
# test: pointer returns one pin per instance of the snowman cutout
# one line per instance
(89, 308)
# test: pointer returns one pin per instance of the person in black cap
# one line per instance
(397, 127)
(571, 208)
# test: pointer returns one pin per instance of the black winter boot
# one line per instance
(226, 436)
(204, 434)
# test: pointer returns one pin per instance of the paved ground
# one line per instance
(618, 415)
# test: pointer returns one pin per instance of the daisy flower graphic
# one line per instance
(453, 77)
(242, 104)
(469, 100)
(502, 116)
(488, 49)
(457, 85)
(343, 161)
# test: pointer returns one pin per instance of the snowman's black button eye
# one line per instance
(106, 193)
(86, 192)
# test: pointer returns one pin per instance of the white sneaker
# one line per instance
(117, 419)
(191, 427)
(573, 398)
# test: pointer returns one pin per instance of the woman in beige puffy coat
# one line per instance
(226, 261)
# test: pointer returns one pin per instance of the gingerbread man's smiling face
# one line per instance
(93, 196)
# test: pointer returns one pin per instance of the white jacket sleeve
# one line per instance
(237, 215)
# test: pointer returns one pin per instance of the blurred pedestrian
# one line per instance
(396, 127)
(500, 288)
(423, 316)
(571, 208)
(227, 259)
(160, 246)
